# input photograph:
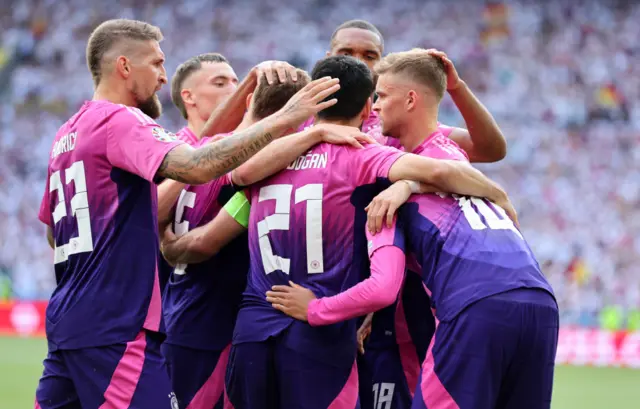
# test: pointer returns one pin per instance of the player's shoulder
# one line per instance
(124, 115)
(367, 151)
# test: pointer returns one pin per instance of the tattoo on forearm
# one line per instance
(214, 159)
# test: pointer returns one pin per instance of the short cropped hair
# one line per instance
(270, 98)
(356, 85)
(416, 65)
(112, 32)
(361, 24)
(184, 71)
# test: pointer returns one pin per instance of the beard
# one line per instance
(151, 106)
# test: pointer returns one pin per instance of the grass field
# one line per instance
(575, 388)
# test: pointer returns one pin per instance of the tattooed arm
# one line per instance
(197, 166)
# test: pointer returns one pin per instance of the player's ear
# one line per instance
(123, 67)
(366, 111)
(187, 96)
(248, 101)
(411, 100)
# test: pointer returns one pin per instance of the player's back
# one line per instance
(302, 229)
(468, 249)
(201, 301)
(104, 222)
(404, 321)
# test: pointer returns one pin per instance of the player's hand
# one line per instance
(364, 331)
(343, 135)
(291, 299)
(453, 79)
(275, 71)
(310, 100)
(507, 206)
(166, 245)
(384, 206)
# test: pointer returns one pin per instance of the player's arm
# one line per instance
(482, 140)
(197, 166)
(376, 292)
(228, 115)
(449, 176)
(206, 241)
(168, 194)
(281, 153)
(50, 239)
(364, 331)
(470, 182)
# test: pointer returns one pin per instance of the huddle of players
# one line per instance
(310, 189)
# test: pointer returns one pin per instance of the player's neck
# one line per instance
(196, 124)
(417, 131)
(355, 122)
(108, 92)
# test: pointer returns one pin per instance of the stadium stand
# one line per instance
(562, 78)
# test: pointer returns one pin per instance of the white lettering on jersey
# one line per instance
(65, 144)
(383, 395)
(310, 161)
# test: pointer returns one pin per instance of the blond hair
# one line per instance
(112, 32)
(416, 65)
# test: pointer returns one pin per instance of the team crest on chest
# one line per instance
(163, 136)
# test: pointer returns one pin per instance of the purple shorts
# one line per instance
(197, 376)
(499, 353)
(271, 375)
(131, 375)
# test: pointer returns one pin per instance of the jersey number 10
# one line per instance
(491, 219)
(312, 194)
(79, 208)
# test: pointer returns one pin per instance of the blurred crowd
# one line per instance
(562, 79)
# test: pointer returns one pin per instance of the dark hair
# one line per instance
(184, 71)
(356, 85)
(361, 24)
(112, 32)
(270, 98)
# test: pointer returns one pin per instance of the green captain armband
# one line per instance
(239, 207)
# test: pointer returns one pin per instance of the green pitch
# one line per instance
(575, 388)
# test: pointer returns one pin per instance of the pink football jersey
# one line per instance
(101, 203)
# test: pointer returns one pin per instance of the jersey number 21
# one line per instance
(312, 195)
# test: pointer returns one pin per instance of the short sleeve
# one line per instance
(389, 236)
(445, 129)
(137, 144)
(371, 162)
(45, 206)
(239, 208)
